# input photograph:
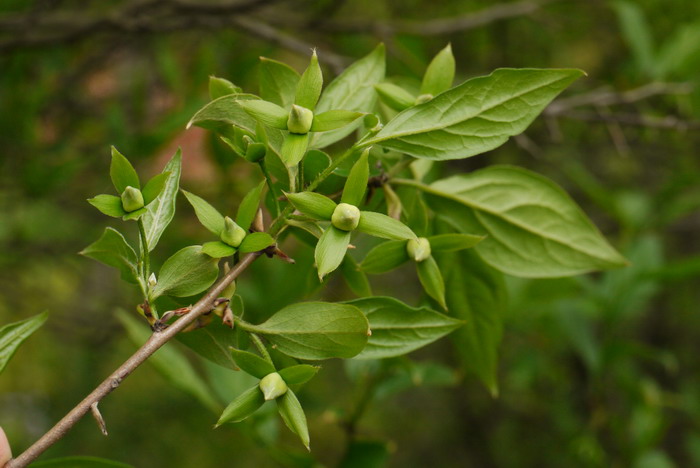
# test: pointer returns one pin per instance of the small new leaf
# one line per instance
(188, 272)
(13, 334)
(122, 172)
(293, 416)
(113, 250)
(356, 183)
(108, 204)
(310, 84)
(380, 225)
(312, 204)
(330, 250)
(207, 214)
(242, 407)
(252, 363)
(256, 242)
(440, 73)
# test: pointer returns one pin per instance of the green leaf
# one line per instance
(109, 205)
(134, 215)
(13, 334)
(242, 407)
(170, 362)
(431, 279)
(398, 329)
(161, 211)
(385, 257)
(113, 250)
(293, 416)
(395, 96)
(352, 90)
(278, 82)
(256, 241)
(356, 183)
(637, 34)
(333, 120)
(207, 214)
(453, 242)
(316, 330)
(313, 204)
(293, 148)
(221, 87)
(218, 249)
(212, 342)
(223, 112)
(300, 374)
(249, 206)
(330, 250)
(80, 462)
(440, 73)
(122, 172)
(315, 162)
(252, 363)
(355, 279)
(188, 272)
(380, 225)
(476, 116)
(310, 84)
(476, 294)
(534, 229)
(266, 113)
(154, 187)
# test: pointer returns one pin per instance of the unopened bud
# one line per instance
(132, 199)
(423, 98)
(254, 151)
(273, 386)
(152, 281)
(232, 234)
(346, 217)
(300, 119)
(418, 249)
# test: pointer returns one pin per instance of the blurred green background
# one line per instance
(599, 370)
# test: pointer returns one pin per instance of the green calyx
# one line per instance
(300, 119)
(232, 233)
(273, 386)
(418, 249)
(132, 199)
(346, 217)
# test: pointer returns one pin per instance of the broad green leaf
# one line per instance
(80, 462)
(169, 362)
(113, 250)
(385, 257)
(242, 407)
(453, 242)
(161, 211)
(249, 206)
(310, 84)
(256, 241)
(440, 73)
(293, 416)
(315, 162)
(476, 116)
(398, 329)
(122, 172)
(330, 250)
(278, 82)
(355, 279)
(252, 363)
(293, 148)
(534, 229)
(356, 183)
(154, 186)
(300, 374)
(221, 87)
(380, 225)
(313, 204)
(13, 334)
(218, 249)
(108, 204)
(266, 113)
(333, 120)
(637, 34)
(223, 112)
(476, 294)
(316, 330)
(352, 90)
(188, 272)
(212, 342)
(395, 96)
(206, 214)
(431, 279)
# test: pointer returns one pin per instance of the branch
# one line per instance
(157, 340)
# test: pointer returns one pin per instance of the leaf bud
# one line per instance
(132, 199)
(232, 234)
(346, 217)
(300, 119)
(254, 151)
(423, 98)
(418, 249)
(273, 386)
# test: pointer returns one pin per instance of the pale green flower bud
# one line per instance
(132, 199)
(418, 249)
(152, 281)
(300, 119)
(423, 98)
(273, 386)
(346, 217)
(232, 234)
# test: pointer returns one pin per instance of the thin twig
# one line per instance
(157, 340)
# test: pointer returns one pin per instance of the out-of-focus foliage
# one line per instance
(598, 370)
